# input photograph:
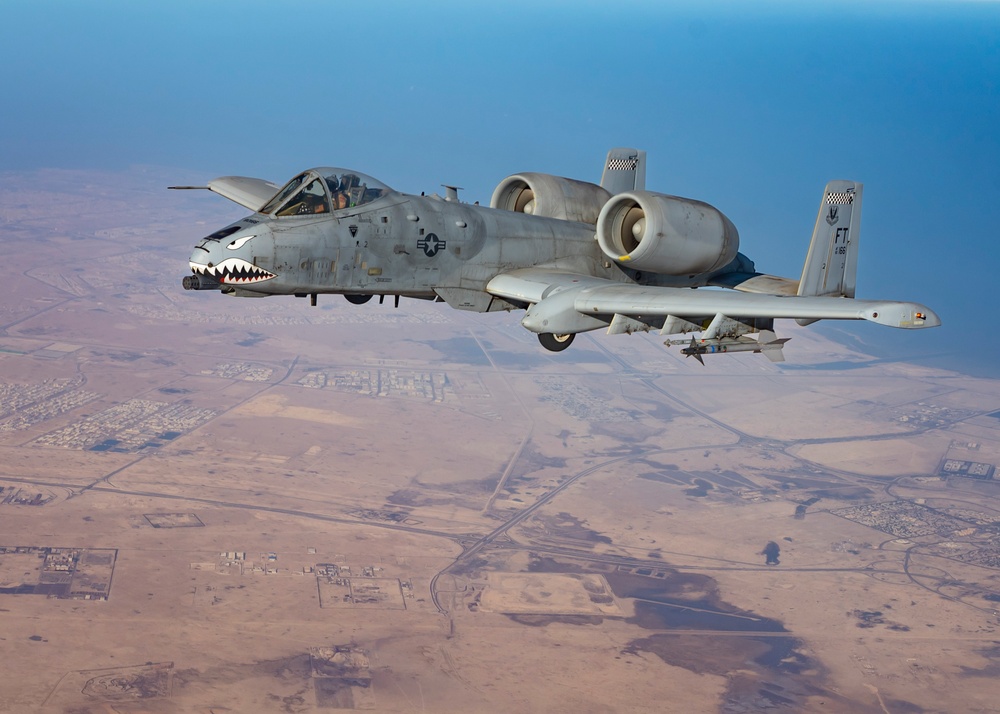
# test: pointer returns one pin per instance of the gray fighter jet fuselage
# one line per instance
(576, 256)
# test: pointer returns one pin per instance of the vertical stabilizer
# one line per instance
(625, 170)
(832, 262)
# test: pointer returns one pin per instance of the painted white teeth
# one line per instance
(233, 271)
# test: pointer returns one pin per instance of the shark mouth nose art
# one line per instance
(233, 271)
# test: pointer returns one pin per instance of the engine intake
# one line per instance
(550, 196)
(666, 234)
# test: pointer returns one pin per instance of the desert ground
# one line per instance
(212, 504)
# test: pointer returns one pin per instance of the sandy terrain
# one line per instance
(222, 505)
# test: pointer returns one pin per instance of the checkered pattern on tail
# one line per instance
(622, 164)
(839, 198)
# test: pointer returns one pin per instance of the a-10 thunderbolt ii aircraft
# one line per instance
(575, 256)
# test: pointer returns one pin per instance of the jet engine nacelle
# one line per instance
(666, 234)
(550, 196)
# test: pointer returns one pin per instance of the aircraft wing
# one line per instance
(568, 303)
(249, 192)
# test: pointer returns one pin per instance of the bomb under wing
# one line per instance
(767, 343)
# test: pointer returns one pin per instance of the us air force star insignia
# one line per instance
(832, 217)
(431, 245)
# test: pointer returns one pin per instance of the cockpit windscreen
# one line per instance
(323, 190)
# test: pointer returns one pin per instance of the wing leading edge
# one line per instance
(625, 299)
(564, 303)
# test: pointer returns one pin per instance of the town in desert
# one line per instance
(211, 504)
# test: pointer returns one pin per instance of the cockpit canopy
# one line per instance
(325, 189)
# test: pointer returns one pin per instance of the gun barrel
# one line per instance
(200, 282)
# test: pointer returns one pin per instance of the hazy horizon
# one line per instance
(750, 108)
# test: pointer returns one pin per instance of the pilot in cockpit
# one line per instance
(341, 190)
(350, 190)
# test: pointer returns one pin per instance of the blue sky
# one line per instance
(749, 106)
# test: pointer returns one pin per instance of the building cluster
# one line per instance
(339, 585)
(333, 573)
(372, 514)
(313, 380)
(578, 402)
(906, 519)
(986, 553)
(432, 386)
(968, 469)
(924, 414)
(368, 592)
(235, 561)
(988, 521)
(61, 559)
(132, 426)
(142, 682)
(16, 496)
(65, 573)
(967, 445)
(754, 495)
(24, 405)
(241, 370)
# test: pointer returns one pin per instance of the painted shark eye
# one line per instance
(238, 243)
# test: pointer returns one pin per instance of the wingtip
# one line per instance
(905, 315)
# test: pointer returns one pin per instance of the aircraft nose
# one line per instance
(227, 258)
(201, 255)
(201, 263)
